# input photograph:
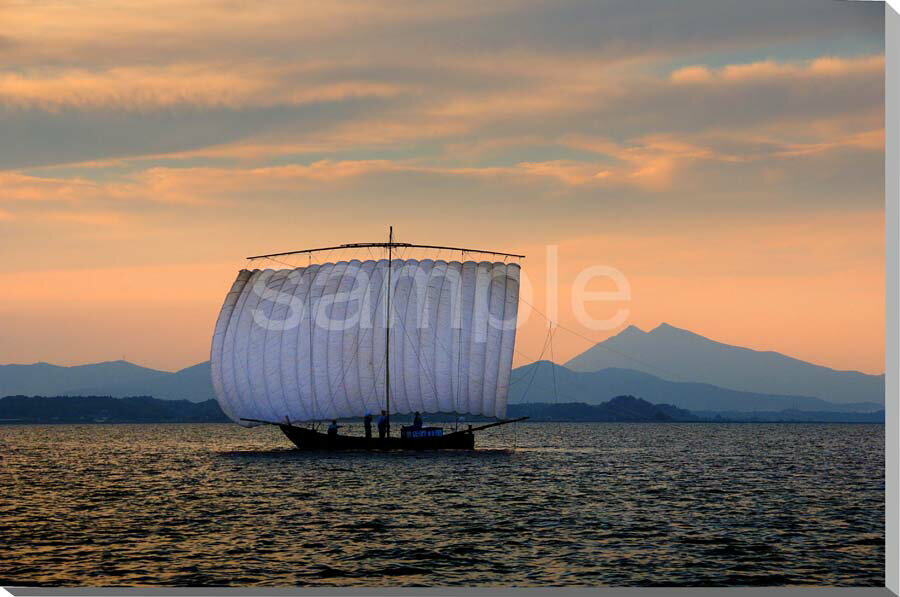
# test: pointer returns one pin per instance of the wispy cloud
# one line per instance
(179, 85)
(15, 187)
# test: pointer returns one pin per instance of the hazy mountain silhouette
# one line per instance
(535, 383)
(115, 378)
(45, 379)
(679, 355)
(193, 384)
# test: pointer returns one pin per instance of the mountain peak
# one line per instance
(662, 328)
(681, 355)
(632, 330)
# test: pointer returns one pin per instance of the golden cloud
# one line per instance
(823, 67)
(15, 187)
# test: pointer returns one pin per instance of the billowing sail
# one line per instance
(310, 343)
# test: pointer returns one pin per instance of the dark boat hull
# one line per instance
(308, 439)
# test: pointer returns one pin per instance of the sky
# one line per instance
(727, 157)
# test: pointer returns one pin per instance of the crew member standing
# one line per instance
(367, 423)
(383, 424)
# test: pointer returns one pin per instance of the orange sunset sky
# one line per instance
(726, 156)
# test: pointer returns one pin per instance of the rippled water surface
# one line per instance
(582, 504)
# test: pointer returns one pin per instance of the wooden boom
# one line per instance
(494, 424)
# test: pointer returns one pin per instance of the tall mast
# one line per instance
(387, 336)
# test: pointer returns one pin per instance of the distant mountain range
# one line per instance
(675, 354)
(665, 366)
(544, 381)
(193, 383)
(50, 380)
(114, 378)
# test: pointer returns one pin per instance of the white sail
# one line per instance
(310, 344)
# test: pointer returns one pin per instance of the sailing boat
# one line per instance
(298, 346)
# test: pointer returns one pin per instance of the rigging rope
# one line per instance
(290, 265)
(553, 365)
(606, 348)
(536, 365)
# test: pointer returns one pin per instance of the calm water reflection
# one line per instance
(580, 504)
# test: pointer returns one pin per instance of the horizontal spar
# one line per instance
(387, 246)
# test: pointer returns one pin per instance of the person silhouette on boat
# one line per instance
(383, 424)
(333, 429)
(417, 421)
(367, 424)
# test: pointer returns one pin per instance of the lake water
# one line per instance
(539, 504)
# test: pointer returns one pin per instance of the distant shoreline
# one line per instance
(146, 410)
